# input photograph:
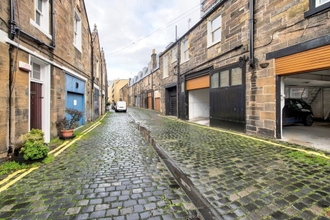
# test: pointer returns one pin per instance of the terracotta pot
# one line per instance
(67, 133)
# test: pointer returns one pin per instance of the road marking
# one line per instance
(17, 179)
(10, 176)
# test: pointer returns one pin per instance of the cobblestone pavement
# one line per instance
(243, 177)
(111, 173)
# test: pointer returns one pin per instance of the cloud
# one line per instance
(130, 29)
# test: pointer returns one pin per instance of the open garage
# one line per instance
(314, 89)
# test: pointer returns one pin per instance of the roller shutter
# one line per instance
(198, 83)
(310, 60)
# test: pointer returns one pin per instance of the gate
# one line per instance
(227, 98)
(36, 106)
(76, 101)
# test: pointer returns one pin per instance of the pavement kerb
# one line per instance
(59, 150)
(252, 138)
(205, 209)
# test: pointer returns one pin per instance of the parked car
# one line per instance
(297, 111)
(121, 106)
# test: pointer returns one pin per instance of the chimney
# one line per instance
(153, 59)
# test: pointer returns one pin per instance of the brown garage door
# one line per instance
(198, 83)
(157, 104)
(310, 60)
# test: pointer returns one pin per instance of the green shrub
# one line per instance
(33, 145)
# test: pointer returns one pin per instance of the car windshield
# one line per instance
(299, 104)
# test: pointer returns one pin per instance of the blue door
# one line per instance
(76, 101)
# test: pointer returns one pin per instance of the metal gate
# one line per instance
(36, 105)
(227, 98)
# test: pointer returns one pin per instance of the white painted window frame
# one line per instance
(44, 17)
(165, 67)
(185, 51)
(320, 2)
(77, 31)
(210, 32)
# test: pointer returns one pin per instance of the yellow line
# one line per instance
(10, 176)
(17, 179)
(60, 149)
(252, 138)
(56, 149)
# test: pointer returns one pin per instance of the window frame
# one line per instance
(174, 54)
(44, 23)
(165, 66)
(210, 31)
(314, 8)
(77, 31)
(185, 50)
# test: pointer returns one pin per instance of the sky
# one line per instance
(130, 29)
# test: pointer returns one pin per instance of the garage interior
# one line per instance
(314, 88)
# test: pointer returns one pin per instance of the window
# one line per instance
(214, 31)
(320, 2)
(36, 71)
(182, 87)
(174, 55)
(224, 78)
(97, 69)
(215, 80)
(185, 51)
(77, 31)
(316, 6)
(236, 76)
(165, 66)
(42, 15)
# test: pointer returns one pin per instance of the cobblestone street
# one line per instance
(112, 173)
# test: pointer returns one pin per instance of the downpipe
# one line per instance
(252, 61)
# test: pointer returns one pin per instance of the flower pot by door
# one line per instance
(67, 133)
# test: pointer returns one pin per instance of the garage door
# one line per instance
(76, 101)
(198, 83)
(310, 60)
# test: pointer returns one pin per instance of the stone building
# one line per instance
(115, 89)
(240, 61)
(45, 63)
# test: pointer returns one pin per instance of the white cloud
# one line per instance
(124, 27)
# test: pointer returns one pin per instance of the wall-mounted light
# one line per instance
(264, 65)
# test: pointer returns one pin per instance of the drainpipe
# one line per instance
(12, 21)
(92, 78)
(53, 24)
(252, 64)
(178, 73)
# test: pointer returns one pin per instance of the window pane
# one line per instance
(36, 71)
(37, 18)
(182, 87)
(320, 2)
(215, 24)
(236, 76)
(215, 80)
(39, 5)
(224, 78)
(216, 35)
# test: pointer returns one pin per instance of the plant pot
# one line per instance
(67, 133)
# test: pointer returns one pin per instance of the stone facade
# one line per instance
(278, 26)
(44, 52)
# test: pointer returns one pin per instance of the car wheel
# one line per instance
(308, 120)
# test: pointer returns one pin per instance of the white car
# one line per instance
(121, 106)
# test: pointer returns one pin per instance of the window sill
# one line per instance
(40, 29)
(209, 45)
(77, 47)
(313, 11)
(184, 61)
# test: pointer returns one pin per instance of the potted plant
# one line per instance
(33, 146)
(67, 125)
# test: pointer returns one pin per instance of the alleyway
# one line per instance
(114, 174)
(110, 174)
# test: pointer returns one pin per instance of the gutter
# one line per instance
(252, 62)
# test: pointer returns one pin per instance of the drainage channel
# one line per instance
(203, 206)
